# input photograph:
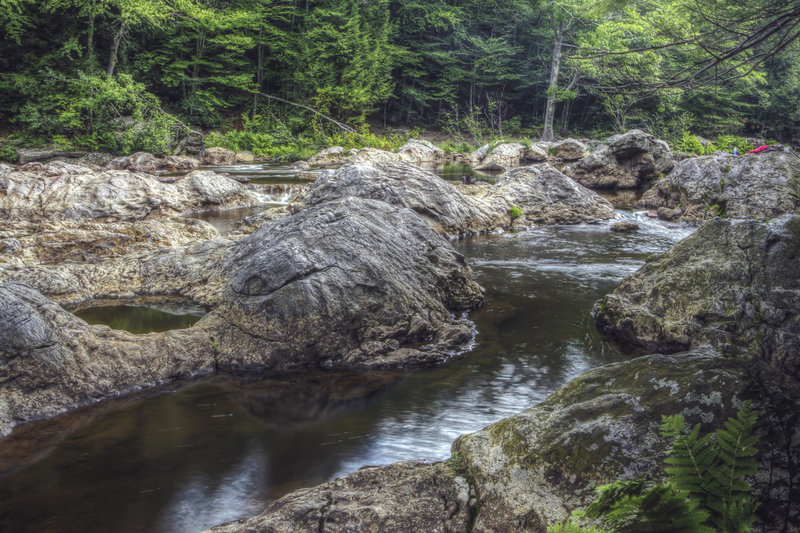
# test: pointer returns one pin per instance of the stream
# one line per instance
(185, 459)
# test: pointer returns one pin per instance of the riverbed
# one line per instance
(186, 459)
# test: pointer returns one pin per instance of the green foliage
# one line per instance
(462, 147)
(457, 463)
(514, 212)
(571, 527)
(727, 143)
(706, 490)
(8, 153)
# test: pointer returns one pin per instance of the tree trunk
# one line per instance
(113, 53)
(259, 70)
(550, 106)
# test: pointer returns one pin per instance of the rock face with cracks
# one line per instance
(733, 283)
(545, 196)
(764, 185)
(626, 161)
(347, 284)
(397, 498)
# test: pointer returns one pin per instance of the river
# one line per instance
(183, 460)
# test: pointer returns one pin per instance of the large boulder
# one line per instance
(420, 152)
(136, 162)
(733, 283)
(60, 191)
(397, 498)
(764, 185)
(51, 360)
(533, 469)
(627, 161)
(504, 156)
(332, 156)
(350, 283)
(569, 150)
(218, 156)
(544, 195)
(371, 155)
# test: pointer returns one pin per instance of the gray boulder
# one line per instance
(397, 498)
(350, 283)
(627, 161)
(331, 156)
(51, 361)
(504, 156)
(733, 283)
(136, 162)
(420, 152)
(764, 185)
(218, 156)
(570, 149)
(545, 196)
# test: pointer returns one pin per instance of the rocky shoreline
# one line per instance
(358, 273)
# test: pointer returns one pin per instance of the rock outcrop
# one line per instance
(569, 150)
(420, 152)
(350, 283)
(627, 161)
(393, 499)
(763, 185)
(218, 156)
(51, 361)
(61, 191)
(733, 283)
(544, 195)
(503, 157)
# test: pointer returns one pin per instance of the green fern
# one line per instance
(706, 491)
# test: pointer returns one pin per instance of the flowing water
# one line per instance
(183, 460)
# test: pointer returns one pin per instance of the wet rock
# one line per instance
(733, 283)
(301, 165)
(397, 498)
(569, 150)
(545, 196)
(420, 152)
(533, 469)
(218, 156)
(503, 156)
(668, 214)
(763, 186)
(51, 360)
(337, 286)
(627, 161)
(624, 227)
(60, 191)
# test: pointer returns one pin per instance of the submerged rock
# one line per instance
(733, 283)
(764, 185)
(627, 161)
(347, 284)
(60, 191)
(544, 195)
(397, 498)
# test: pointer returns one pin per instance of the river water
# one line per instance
(183, 460)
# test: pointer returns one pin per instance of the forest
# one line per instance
(280, 77)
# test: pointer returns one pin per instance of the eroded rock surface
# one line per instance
(764, 185)
(503, 157)
(420, 152)
(545, 196)
(218, 156)
(533, 469)
(733, 283)
(51, 361)
(627, 161)
(398, 498)
(61, 191)
(346, 284)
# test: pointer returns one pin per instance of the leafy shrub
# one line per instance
(8, 153)
(727, 142)
(514, 212)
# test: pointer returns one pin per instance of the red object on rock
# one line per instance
(759, 149)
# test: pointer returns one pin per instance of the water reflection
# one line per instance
(214, 452)
(142, 319)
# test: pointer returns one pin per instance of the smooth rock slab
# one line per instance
(733, 283)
